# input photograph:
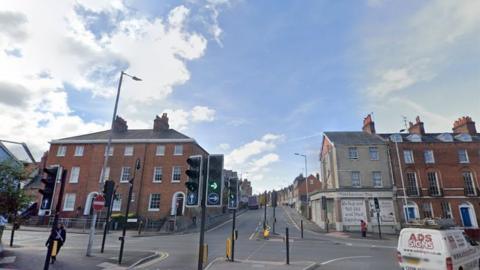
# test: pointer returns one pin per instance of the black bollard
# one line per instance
(287, 242)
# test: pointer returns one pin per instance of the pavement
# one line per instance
(221, 263)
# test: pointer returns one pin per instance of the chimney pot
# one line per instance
(120, 125)
(368, 125)
(161, 123)
(416, 128)
(464, 124)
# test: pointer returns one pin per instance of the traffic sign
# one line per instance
(98, 203)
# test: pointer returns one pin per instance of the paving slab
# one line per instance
(222, 263)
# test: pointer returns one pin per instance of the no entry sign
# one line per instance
(98, 203)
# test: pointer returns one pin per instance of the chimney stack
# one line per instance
(416, 128)
(161, 123)
(464, 125)
(119, 125)
(368, 125)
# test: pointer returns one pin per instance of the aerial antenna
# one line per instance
(405, 122)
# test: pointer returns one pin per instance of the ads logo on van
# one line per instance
(420, 240)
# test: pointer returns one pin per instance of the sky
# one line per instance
(256, 81)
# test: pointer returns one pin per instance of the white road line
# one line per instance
(10, 259)
(220, 225)
(256, 250)
(294, 224)
(344, 258)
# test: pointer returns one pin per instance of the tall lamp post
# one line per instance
(401, 178)
(105, 161)
(306, 180)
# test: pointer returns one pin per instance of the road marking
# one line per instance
(290, 217)
(256, 250)
(10, 259)
(349, 244)
(344, 258)
(162, 256)
(110, 266)
(220, 225)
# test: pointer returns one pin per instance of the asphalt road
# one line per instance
(181, 251)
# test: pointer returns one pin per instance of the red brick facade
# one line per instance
(451, 195)
(90, 164)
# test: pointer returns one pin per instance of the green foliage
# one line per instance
(12, 198)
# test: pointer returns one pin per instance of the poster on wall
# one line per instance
(353, 211)
(387, 213)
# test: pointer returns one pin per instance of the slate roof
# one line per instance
(430, 137)
(131, 134)
(353, 138)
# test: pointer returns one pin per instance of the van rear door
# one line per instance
(421, 249)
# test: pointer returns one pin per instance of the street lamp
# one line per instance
(306, 180)
(105, 161)
(401, 178)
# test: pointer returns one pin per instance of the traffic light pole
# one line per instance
(233, 234)
(265, 211)
(14, 225)
(55, 219)
(378, 222)
(107, 224)
(274, 220)
(202, 223)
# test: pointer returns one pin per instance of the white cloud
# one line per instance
(56, 46)
(180, 119)
(224, 146)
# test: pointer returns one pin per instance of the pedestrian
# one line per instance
(3, 223)
(363, 228)
(57, 239)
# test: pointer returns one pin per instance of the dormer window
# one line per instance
(445, 137)
(464, 137)
(396, 138)
(414, 138)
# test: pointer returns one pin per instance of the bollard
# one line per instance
(301, 228)
(287, 242)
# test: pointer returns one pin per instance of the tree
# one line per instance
(12, 197)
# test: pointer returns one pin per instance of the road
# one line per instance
(181, 251)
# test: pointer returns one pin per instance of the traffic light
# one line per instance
(193, 184)
(214, 181)
(377, 205)
(108, 190)
(233, 193)
(49, 180)
(274, 198)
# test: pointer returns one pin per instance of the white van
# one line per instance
(435, 249)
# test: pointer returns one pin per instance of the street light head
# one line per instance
(136, 78)
(402, 130)
(297, 154)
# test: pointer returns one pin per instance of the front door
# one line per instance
(179, 205)
(465, 211)
(411, 213)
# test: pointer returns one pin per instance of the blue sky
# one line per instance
(254, 80)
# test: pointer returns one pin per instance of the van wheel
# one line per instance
(460, 268)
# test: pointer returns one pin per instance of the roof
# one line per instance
(353, 138)
(129, 135)
(16, 150)
(430, 137)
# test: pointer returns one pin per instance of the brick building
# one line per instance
(159, 188)
(299, 191)
(440, 172)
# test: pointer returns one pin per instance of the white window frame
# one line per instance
(155, 169)
(117, 204)
(123, 172)
(61, 151)
(410, 155)
(150, 202)
(379, 173)
(173, 174)
(472, 180)
(67, 202)
(110, 151)
(176, 152)
(79, 150)
(375, 150)
(430, 154)
(128, 151)
(466, 156)
(430, 208)
(437, 182)
(106, 176)
(448, 210)
(74, 175)
(353, 153)
(160, 147)
(359, 179)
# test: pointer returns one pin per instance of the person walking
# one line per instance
(57, 239)
(363, 228)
